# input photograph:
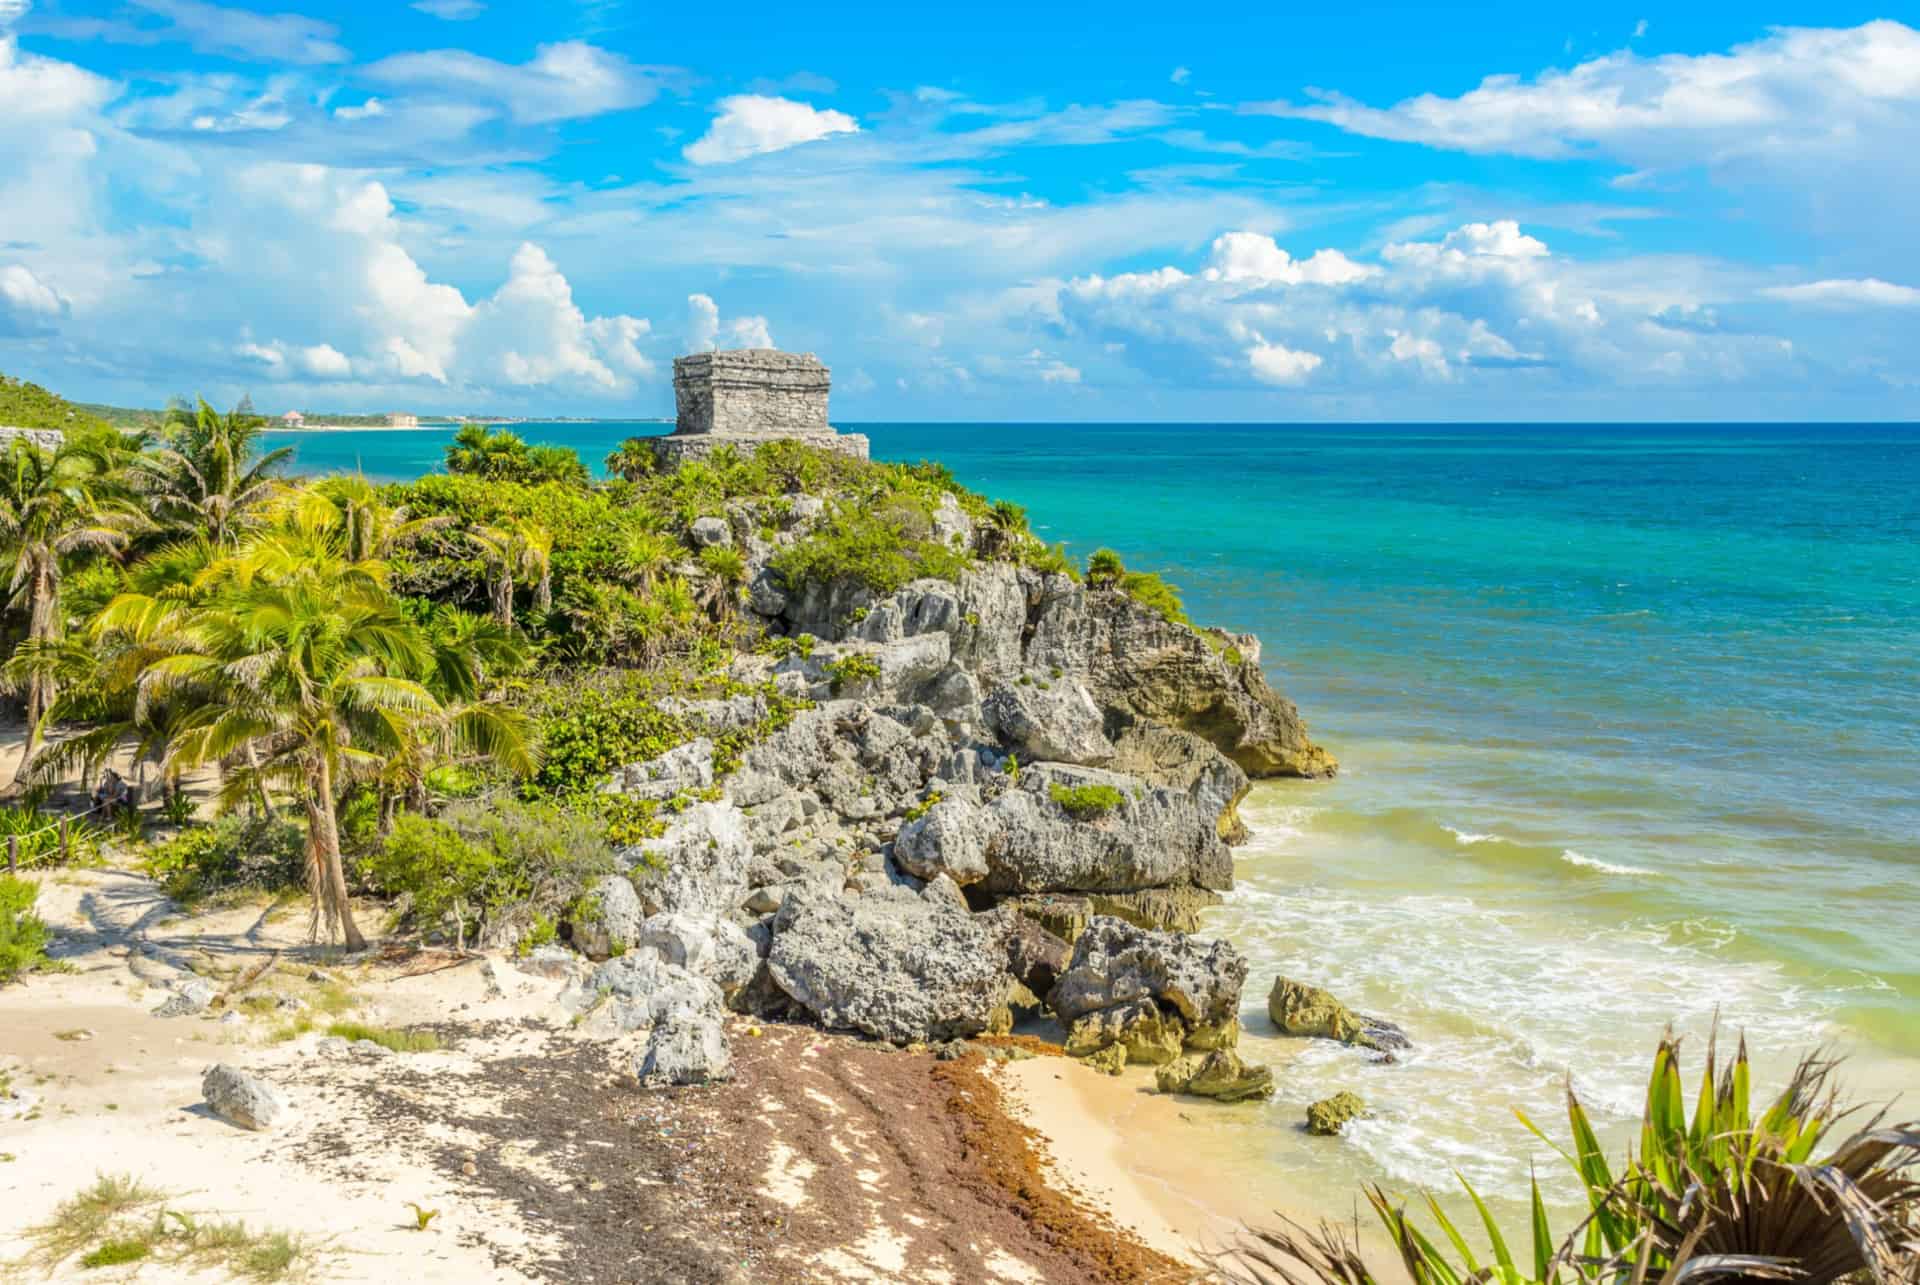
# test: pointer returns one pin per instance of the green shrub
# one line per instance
(484, 862)
(438, 868)
(1104, 568)
(23, 934)
(1049, 559)
(1086, 802)
(881, 549)
(1155, 594)
(234, 852)
(856, 668)
(594, 726)
(924, 806)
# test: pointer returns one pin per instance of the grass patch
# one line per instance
(113, 1253)
(1086, 802)
(399, 1039)
(105, 1216)
(85, 1219)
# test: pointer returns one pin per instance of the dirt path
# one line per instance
(825, 1159)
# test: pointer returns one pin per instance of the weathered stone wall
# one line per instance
(758, 392)
(46, 438)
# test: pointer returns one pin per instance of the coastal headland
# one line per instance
(923, 836)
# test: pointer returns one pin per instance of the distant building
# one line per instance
(293, 419)
(404, 421)
(746, 398)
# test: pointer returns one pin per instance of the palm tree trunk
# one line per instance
(543, 592)
(40, 689)
(331, 902)
(503, 600)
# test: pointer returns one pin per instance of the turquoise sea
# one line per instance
(1629, 720)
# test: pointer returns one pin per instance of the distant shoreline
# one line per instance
(441, 428)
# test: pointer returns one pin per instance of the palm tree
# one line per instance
(648, 555)
(515, 551)
(209, 479)
(50, 510)
(312, 680)
(369, 527)
(633, 459)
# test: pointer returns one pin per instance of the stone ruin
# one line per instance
(748, 397)
(47, 439)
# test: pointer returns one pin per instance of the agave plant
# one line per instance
(1722, 1195)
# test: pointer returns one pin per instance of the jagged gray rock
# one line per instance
(892, 965)
(699, 866)
(1116, 963)
(611, 919)
(1140, 667)
(710, 531)
(1051, 719)
(685, 1049)
(681, 770)
(1024, 842)
(241, 1098)
(191, 996)
(639, 990)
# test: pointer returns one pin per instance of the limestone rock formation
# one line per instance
(611, 919)
(191, 996)
(895, 967)
(1115, 963)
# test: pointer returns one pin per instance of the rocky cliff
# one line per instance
(1011, 793)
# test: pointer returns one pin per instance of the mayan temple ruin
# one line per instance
(748, 397)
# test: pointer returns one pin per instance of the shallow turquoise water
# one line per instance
(1629, 719)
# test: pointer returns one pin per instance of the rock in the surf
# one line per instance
(1329, 1116)
(1221, 1074)
(1308, 1011)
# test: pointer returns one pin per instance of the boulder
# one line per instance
(1299, 1009)
(640, 990)
(891, 965)
(951, 839)
(1052, 720)
(685, 1049)
(698, 866)
(1220, 1074)
(611, 917)
(714, 948)
(1154, 838)
(706, 532)
(1110, 1060)
(1329, 1116)
(1147, 1035)
(683, 769)
(1116, 963)
(1035, 957)
(191, 996)
(240, 1098)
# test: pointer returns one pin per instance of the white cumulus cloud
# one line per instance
(27, 304)
(706, 332)
(754, 124)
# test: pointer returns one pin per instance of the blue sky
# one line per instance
(1007, 212)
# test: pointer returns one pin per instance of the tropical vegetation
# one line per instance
(1734, 1192)
(414, 690)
